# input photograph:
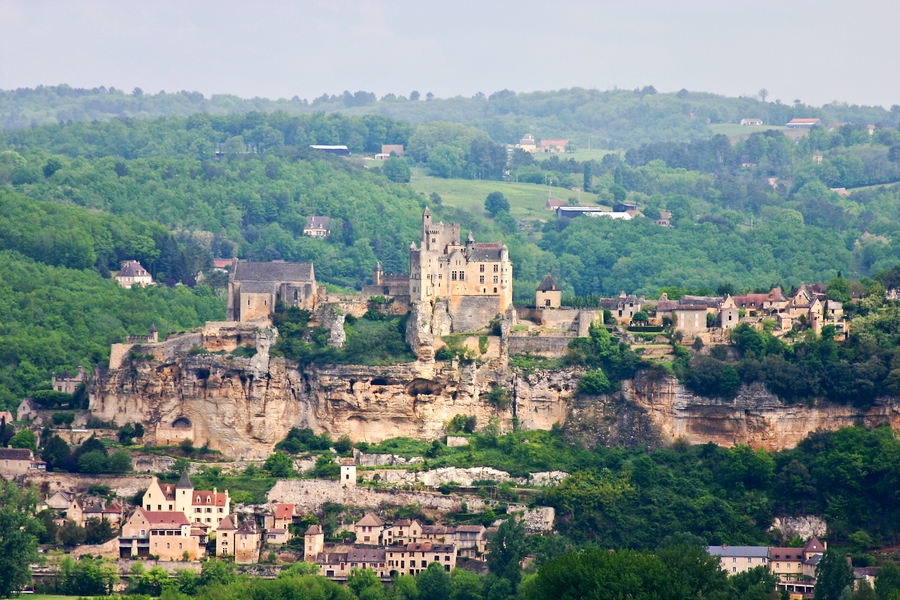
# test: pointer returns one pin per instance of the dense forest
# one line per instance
(610, 119)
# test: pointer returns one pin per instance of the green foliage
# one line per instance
(51, 398)
(279, 465)
(496, 203)
(373, 340)
(326, 467)
(594, 383)
(24, 439)
(618, 361)
(303, 440)
(833, 576)
(396, 169)
(434, 583)
(18, 536)
(63, 418)
(499, 397)
(505, 549)
(71, 533)
(87, 577)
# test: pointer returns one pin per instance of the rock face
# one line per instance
(244, 406)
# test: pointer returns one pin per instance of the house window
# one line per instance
(462, 275)
(481, 279)
(546, 303)
(495, 290)
(453, 276)
(481, 268)
(496, 268)
(496, 279)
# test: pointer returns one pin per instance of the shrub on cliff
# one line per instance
(594, 383)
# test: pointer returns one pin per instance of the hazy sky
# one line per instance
(817, 51)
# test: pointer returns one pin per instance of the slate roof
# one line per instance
(228, 524)
(786, 554)
(313, 530)
(272, 271)
(248, 527)
(317, 222)
(485, 253)
(258, 287)
(739, 551)
(185, 482)
(15, 454)
(366, 554)
(548, 285)
(132, 268)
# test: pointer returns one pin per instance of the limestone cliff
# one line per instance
(244, 406)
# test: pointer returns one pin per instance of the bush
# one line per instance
(594, 383)
(51, 398)
(63, 418)
(444, 353)
(499, 397)
(483, 344)
(279, 464)
(24, 439)
(495, 203)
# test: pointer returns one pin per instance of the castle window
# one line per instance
(462, 275)
(496, 268)
(295, 295)
(481, 268)
(481, 278)
(496, 280)
(495, 290)
(453, 276)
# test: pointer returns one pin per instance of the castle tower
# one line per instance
(377, 274)
(348, 473)
(154, 334)
(313, 543)
(184, 489)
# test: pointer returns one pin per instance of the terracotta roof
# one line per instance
(221, 263)
(814, 545)
(554, 203)
(284, 511)
(786, 554)
(272, 271)
(548, 285)
(214, 498)
(370, 520)
(546, 143)
(165, 517)
(803, 121)
(469, 528)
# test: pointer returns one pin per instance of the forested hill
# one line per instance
(612, 118)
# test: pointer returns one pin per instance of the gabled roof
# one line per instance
(228, 524)
(209, 498)
(786, 554)
(370, 520)
(313, 530)
(248, 527)
(284, 511)
(366, 554)
(739, 551)
(317, 222)
(548, 285)
(485, 253)
(272, 271)
(165, 517)
(15, 454)
(469, 528)
(546, 143)
(132, 268)
(814, 545)
(185, 482)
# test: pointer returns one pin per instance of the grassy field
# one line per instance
(732, 129)
(526, 200)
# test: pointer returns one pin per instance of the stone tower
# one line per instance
(348, 473)
(313, 543)
(184, 489)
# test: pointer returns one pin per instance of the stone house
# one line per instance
(278, 524)
(548, 294)
(475, 278)
(554, 203)
(623, 307)
(470, 540)
(255, 287)
(247, 542)
(369, 530)
(67, 382)
(415, 557)
(739, 559)
(166, 534)
(387, 284)
(317, 227)
(690, 319)
(553, 146)
(402, 532)
(751, 121)
(396, 149)
(338, 565)
(527, 143)
(729, 316)
(205, 507)
(133, 273)
(19, 461)
(348, 473)
(313, 543)
(665, 218)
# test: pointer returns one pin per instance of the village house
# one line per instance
(205, 507)
(751, 121)
(527, 143)
(133, 273)
(402, 532)
(548, 294)
(19, 461)
(665, 218)
(391, 149)
(247, 542)
(166, 534)
(255, 287)
(338, 565)
(739, 559)
(729, 315)
(415, 557)
(317, 227)
(368, 530)
(313, 543)
(690, 319)
(278, 525)
(554, 203)
(794, 567)
(475, 278)
(470, 540)
(67, 382)
(623, 307)
(553, 146)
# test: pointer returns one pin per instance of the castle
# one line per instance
(254, 287)
(475, 279)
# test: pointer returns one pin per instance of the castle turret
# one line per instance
(313, 543)
(377, 274)
(348, 473)
(184, 489)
